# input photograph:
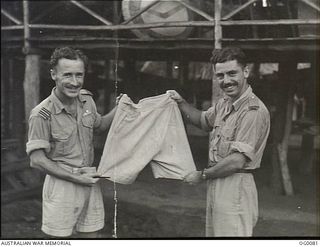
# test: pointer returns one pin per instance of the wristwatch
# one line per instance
(203, 175)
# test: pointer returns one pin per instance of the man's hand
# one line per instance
(118, 98)
(175, 96)
(88, 179)
(88, 176)
(193, 178)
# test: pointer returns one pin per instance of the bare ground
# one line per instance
(162, 208)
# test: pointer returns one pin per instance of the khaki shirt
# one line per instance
(242, 126)
(64, 138)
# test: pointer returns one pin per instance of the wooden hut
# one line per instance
(120, 37)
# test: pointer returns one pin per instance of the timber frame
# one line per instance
(132, 46)
(23, 33)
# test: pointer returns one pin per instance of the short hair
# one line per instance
(228, 54)
(68, 53)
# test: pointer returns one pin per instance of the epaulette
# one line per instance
(85, 92)
(44, 113)
(253, 102)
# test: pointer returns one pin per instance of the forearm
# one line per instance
(190, 113)
(226, 167)
(106, 120)
(51, 167)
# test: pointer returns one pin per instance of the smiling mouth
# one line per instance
(72, 88)
(229, 86)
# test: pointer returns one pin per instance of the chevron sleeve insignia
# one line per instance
(45, 113)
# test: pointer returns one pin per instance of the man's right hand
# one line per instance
(88, 179)
(175, 96)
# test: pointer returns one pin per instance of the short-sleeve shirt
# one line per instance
(242, 126)
(63, 137)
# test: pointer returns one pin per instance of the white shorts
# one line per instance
(68, 206)
(150, 132)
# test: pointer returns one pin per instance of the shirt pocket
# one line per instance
(62, 141)
(88, 122)
(226, 137)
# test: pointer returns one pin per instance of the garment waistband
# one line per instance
(146, 103)
(84, 169)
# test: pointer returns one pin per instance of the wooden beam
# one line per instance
(237, 10)
(168, 24)
(198, 11)
(312, 5)
(8, 28)
(91, 13)
(271, 22)
(11, 17)
(141, 12)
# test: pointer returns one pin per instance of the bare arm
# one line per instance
(106, 120)
(226, 167)
(229, 165)
(40, 161)
(192, 114)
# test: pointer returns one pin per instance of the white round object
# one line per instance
(163, 11)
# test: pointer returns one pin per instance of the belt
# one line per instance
(77, 169)
(244, 171)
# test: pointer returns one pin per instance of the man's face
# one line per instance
(232, 78)
(69, 77)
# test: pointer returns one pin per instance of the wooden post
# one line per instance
(217, 24)
(3, 102)
(116, 21)
(31, 82)
(216, 90)
(287, 74)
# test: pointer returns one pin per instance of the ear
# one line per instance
(53, 74)
(246, 71)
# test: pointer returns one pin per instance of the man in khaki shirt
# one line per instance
(60, 143)
(240, 125)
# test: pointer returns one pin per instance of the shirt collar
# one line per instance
(57, 104)
(236, 105)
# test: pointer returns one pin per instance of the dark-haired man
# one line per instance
(60, 143)
(240, 125)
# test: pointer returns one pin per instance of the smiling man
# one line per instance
(240, 125)
(60, 143)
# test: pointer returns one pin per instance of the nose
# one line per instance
(226, 79)
(74, 81)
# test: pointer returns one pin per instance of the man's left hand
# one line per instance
(193, 178)
(118, 98)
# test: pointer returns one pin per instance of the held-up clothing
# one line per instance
(151, 131)
(242, 126)
(68, 142)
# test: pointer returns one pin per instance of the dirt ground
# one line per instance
(162, 208)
